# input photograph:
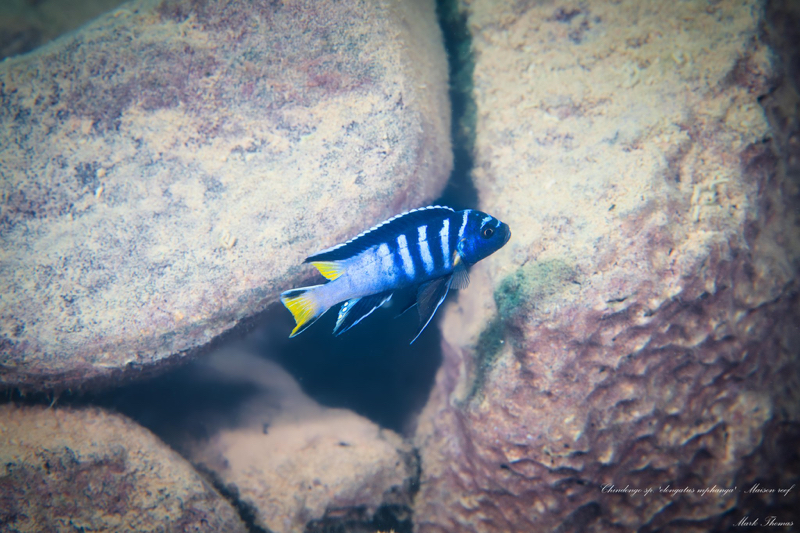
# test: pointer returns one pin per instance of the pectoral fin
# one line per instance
(357, 309)
(429, 297)
(460, 274)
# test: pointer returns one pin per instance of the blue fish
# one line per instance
(425, 250)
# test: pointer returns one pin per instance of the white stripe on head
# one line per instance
(445, 235)
(424, 249)
(408, 264)
(485, 220)
(463, 224)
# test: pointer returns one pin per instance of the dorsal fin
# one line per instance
(381, 233)
(329, 269)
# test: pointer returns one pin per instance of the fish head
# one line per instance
(483, 235)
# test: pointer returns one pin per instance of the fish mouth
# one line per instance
(508, 236)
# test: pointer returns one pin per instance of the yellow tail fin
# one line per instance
(304, 307)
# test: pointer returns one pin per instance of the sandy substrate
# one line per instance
(289, 459)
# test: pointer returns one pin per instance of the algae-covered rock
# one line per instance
(88, 470)
(167, 167)
(639, 330)
(295, 465)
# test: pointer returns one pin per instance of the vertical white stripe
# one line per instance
(408, 265)
(424, 249)
(445, 235)
(485, 220)
(463, 225)
(387, 265)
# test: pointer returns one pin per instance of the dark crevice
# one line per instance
(246, 511)
(395, 518)
(460, 192)
(782, 105)
(395, 514)
(371, 369)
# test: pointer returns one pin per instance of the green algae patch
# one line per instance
(530, 285)
(518, 294)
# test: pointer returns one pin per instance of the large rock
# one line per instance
(88, 470)
(297, 466)
(167, 168)
(642, 333)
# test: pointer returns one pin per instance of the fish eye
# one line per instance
(487, 233)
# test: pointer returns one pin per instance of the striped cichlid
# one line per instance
(426, 250)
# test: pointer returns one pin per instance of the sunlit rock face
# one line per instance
(639, 330)
(87, 469)
(166, 168)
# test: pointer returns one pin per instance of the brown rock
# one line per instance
(88, 470)
(645, 311)
(168, 167)
(296, 464)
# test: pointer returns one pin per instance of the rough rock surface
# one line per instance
(297, 466)
(166, 168)
(88, 470)
(644, 328)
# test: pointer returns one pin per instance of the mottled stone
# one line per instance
(297, 466)
(639, 330)
(166, 169)
(88, 470)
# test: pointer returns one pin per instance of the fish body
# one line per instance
(427, 250)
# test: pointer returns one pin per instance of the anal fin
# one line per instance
(357, 309)
(429, 297)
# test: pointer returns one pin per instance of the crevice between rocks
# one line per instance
(246, 511)
(396, 513)
(460, 192)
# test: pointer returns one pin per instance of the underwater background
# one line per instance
(627, 362)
